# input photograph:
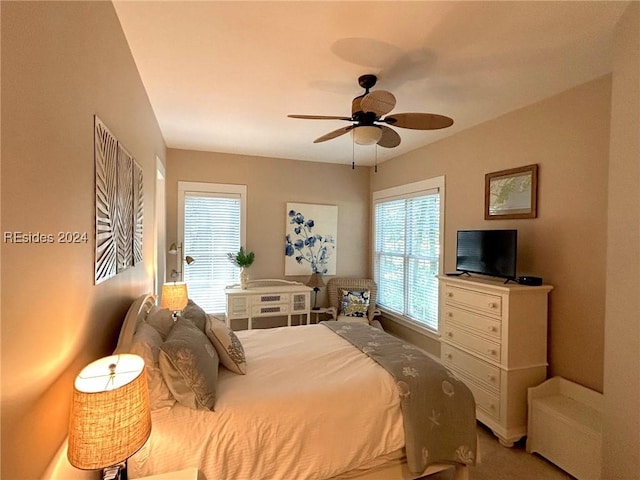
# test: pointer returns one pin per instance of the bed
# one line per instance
(306, 402)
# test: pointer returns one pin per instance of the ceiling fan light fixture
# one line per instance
(367, 134)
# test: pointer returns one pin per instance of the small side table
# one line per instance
(319, 311)
(186, 474)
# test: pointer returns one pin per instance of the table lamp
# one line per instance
(110, 415)
(174, 297)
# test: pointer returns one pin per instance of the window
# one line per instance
(407, 255)
(211, 222)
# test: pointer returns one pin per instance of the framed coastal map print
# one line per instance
(510, 194)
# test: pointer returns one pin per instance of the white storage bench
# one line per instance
(565, 426)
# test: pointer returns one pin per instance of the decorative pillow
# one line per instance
(227, 345)
(189, 365)
(161, 319)
(146, 343)
(196, 314)
(355, 303)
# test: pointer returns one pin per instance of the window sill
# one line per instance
(410, 324)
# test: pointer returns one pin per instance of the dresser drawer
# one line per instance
(485, 373)
(481, 346)
(485, 325)
(266, 310)
(270, 298)
(237, 307)
(482, 302)
(486, 401)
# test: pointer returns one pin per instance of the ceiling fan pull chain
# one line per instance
(353, 152)
(375, 166)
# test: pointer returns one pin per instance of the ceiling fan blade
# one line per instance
(379, 102)
(418, 121)
(334, 134)
(390, 137)
(319, 117)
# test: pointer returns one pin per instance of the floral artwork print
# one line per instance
(310, 241)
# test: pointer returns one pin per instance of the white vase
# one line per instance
(244, 278)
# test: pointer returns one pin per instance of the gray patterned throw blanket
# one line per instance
(438, 409)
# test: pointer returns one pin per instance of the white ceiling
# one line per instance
(223, 75)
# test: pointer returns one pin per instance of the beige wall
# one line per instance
(61, 64)
(271, 183)
(621, 445)
(568, 137)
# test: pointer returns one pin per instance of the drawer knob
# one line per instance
(492, 305)
(491, 377)
(449, 314)
(491, 351)
(449, 294)
(448, 355)
(449, 334)
(492, 406)
(492, 328)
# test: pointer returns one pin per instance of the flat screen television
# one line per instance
(487, 252)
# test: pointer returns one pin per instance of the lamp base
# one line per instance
(115, 472)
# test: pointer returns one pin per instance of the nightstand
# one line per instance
(187, 474)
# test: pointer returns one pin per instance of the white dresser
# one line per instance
(286, 299)
(494, 338)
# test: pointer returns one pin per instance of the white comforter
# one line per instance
(311, 406)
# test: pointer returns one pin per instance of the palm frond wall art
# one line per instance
(119, 205)
(138, 212)
(124, 232)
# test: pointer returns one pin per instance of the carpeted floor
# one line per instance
(500, 463)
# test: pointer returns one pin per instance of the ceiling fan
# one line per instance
(367, 122)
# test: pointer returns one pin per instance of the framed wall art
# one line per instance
(106, 186)
(511, 194)
(119, 205)
(310, 240)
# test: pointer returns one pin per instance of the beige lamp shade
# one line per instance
(174, 296)
(110, 415)
(315, 281)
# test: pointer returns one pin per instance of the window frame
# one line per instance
(415, 189)
(211, 190)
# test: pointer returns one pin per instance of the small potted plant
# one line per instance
(244, 260)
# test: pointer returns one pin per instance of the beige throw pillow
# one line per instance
(146, 343)
(227, 345)
(195, 313)
(189, 365)
(161, 319)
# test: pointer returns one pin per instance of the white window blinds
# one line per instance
(211, 230)
(407, 255)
